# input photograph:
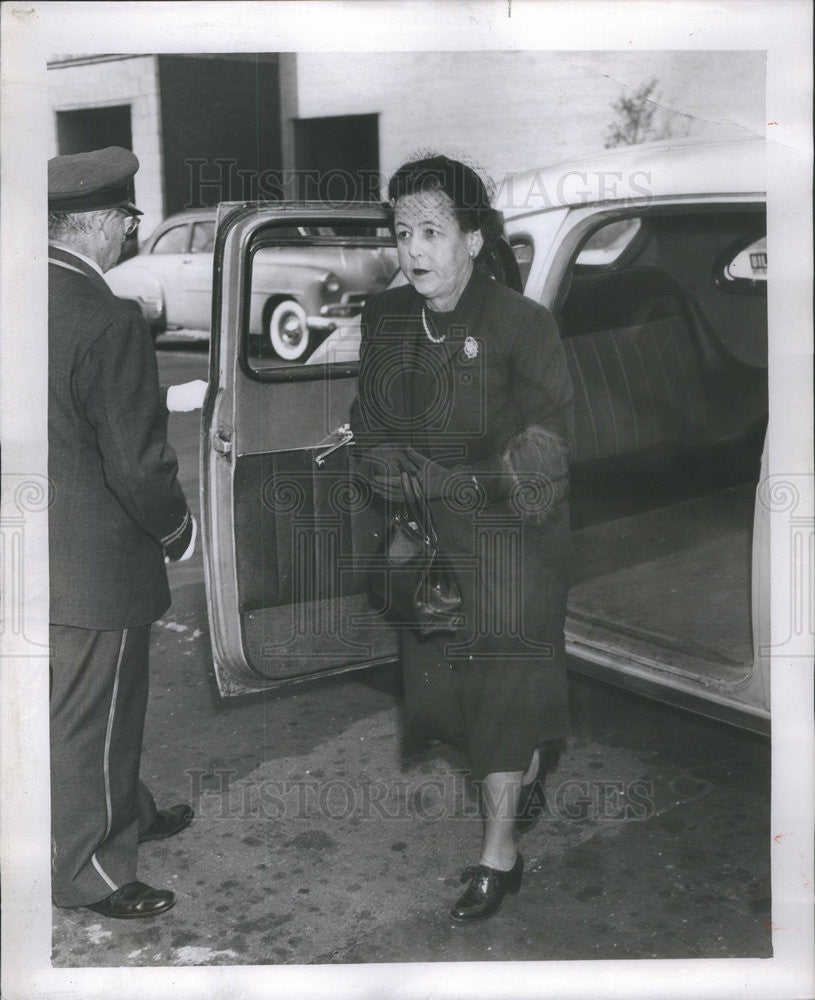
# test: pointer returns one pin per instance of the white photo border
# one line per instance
(31, 33)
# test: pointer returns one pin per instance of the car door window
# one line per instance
(203, 237)
(172, 240)
(607, 245)
(307, 289)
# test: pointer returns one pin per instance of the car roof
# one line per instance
(190, 214)
(670, 167)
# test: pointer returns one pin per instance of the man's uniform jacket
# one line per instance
(116, 498)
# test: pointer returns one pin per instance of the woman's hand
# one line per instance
(382, 466)
(432, 476)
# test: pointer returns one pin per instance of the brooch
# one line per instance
(470, 347)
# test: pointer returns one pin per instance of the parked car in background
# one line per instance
(297, 291)
(653, 260)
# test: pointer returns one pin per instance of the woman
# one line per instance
(465, 381)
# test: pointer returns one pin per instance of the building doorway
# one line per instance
(337, 158)
(93, 128)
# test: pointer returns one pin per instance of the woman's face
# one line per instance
(435, 255)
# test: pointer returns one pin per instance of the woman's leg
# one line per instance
(499, 795)
(532, 771)
(501, 867)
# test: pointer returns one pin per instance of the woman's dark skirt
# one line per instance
(497, 688)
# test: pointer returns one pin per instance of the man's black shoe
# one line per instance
(134, 900)
(168, 823)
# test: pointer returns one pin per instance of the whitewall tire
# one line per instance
(287, 330)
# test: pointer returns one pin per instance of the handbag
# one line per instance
(417, 583)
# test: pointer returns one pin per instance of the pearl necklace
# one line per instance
(435, 340)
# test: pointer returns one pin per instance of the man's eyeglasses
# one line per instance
(131, 222)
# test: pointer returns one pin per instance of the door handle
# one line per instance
(222, 443)
(343, 434)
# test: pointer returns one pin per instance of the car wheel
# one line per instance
(287, 330)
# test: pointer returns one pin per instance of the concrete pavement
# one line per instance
(315, 841)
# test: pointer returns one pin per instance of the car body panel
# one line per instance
(675, 540)
(675, 169)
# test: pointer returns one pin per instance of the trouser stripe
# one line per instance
(106, 766)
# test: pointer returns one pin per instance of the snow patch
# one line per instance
(200, 955)
(173, 626)
(97, 934)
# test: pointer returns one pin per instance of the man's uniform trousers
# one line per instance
(99, 686)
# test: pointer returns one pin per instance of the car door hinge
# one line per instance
(222, 443)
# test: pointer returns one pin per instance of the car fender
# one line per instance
(132, 281)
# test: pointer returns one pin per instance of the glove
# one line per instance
(186, 396)
(382, 466)
(432, 476)
(182, 547)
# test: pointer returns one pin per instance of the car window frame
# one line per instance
(294, 373)
(197, 223)
(626, 254)
(183, 224)
(584, 220)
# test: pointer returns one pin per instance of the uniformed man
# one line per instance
(117, 513)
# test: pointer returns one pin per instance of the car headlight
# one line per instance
(331, 283)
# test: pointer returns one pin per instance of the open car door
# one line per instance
(285, 522)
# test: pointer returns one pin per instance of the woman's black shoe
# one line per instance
(486, 890)
(532, 800)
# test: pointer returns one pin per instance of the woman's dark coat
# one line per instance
(492, 401)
